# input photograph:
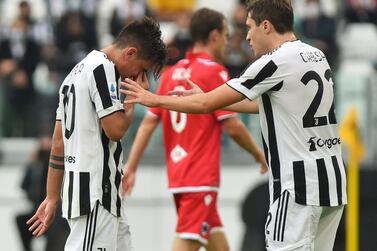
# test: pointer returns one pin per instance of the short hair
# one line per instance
(278, 12)
(203, 21)
(145, 35)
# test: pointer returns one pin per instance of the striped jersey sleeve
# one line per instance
(258, 78)
(104, 90)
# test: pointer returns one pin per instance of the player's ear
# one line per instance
(267, 26)
(214, 35)
(130, 52)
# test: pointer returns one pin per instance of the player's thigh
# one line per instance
(291, 226)
(327, 228)
(180, 244)
(96, 231)
(217, 242)
(197, 215)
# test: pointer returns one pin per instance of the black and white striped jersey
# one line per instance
(298, 123)
(92, 161)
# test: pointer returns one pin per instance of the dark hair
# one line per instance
(23, 4)
(145, 35)
(278, 12)
(203, 21)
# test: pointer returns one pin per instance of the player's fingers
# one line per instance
(42, 231)
(35, 225)
(131, 93)
(37, 230)
(131, 101)
(175, 92)
(32, 219)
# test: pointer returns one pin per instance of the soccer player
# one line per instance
(192, 142)
(294, 84)
(86, 156)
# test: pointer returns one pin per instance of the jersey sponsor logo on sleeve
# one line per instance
(315, 142)
(113, 93)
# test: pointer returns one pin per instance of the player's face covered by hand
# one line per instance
(132, 65)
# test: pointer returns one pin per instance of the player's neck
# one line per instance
(202, 48)
(280, 39)
(110, 53)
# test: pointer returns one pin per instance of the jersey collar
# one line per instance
(191, 56)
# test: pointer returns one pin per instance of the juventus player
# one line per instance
(299, 127)
(86, 156)
(192, 142)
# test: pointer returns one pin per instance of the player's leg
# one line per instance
(180, 244)
(291, 226)
(124, 234)
(96, 231)
(327, 227)
(217, 242)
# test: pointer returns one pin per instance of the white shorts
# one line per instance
(100, 231)
(291, 226)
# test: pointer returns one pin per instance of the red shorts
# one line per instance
(197, 215)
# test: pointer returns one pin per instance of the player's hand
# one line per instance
(43, 218)
(195, 89)
(263, 168)
(139, 94)
(128, 181)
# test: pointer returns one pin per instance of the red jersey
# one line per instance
(192, 141)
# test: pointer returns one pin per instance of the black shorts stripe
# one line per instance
(285, 217)
(90, 230)
(264, 73)
(299, 182)
(86, 232)
(277, 217)
(118, 176)
(70, 193)
(338, 178)
(272, 143)
(323, 182)
(280, 216)
(102, 86)
(106, 183)
(94, 226)
(84, 193)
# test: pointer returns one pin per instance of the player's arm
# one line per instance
(116, 124)
(144, 133)
(239, 133)
(244, 106)
(45, 214)
(200, 103)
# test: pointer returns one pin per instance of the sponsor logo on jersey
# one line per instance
(315, 143)
(113, 93)
(70, 159)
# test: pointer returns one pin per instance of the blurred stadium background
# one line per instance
(40, 40)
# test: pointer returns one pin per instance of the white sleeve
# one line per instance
(104, 92)
(59, 110)
(258, 78)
